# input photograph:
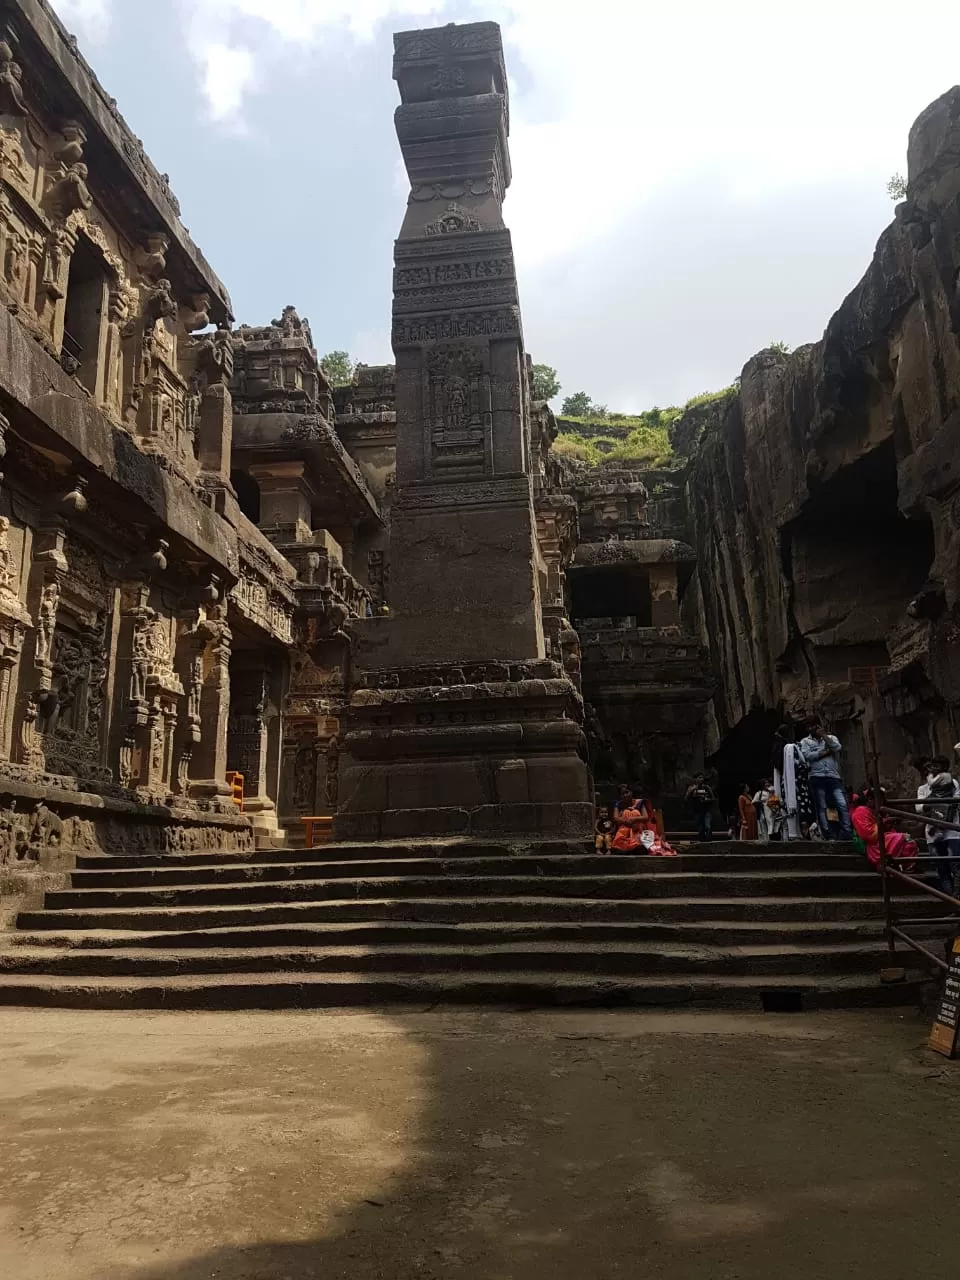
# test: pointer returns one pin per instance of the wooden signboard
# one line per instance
(945, 1036)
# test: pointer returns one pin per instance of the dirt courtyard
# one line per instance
(494, 1146)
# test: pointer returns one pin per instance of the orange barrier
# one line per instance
(317, 830)
(235, 783)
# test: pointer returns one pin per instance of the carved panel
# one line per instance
(71, 711)
(459, 417)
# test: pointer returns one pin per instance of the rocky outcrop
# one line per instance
(824, 498)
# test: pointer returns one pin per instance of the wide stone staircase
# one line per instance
(723, 925)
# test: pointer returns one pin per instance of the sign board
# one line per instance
(945, 1036)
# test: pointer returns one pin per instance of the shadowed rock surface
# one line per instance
(823, 499)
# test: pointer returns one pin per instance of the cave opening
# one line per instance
(612, 591)
(745, 756)
(248, 495)
(855, 562)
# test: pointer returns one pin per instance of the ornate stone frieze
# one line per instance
(414, 331)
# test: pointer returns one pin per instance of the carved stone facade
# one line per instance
(149, 623)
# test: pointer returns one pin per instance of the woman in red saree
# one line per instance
(637, 830)
(898, 846)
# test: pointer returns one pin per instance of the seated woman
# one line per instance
(637, 828)
(898, 846)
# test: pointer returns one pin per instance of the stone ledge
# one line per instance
(559, 821)
(457, 675)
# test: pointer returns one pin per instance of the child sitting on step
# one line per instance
(603, 839)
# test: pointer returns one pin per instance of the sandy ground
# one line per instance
(493, 1146)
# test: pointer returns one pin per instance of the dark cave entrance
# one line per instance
(745, 756)
(853, 563)
(614, 591)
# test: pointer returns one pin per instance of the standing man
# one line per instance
(942, 786)
(821, 753)
(701, 800)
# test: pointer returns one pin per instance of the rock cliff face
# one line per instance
(824, 500)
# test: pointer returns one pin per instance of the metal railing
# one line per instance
(897, 927)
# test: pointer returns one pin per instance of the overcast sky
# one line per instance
(693, 179)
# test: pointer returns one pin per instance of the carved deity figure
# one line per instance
(11, 86)
(15, 263)
(46, 622)
(457, 406)
(8, 574)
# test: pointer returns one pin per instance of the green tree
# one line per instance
(897, 187)
(545, 384)
(338, 368)
(782, 348)
(576, 406)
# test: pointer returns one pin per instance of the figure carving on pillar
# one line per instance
(11, 83)
(332, 785)
(8, 576)
(46, 622)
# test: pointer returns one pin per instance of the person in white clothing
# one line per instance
(942, 786)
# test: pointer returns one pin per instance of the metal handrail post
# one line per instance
(889, 923)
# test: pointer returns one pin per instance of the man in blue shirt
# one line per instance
(821, 753)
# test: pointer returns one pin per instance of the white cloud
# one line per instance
(223, 34)
(227, 75)
(640, 131)
(91, 18)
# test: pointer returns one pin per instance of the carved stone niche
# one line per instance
(459, 410)
(71, 709)
(71, 712)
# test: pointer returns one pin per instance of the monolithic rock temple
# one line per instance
(391, 604)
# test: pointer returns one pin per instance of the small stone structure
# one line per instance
(646, 677)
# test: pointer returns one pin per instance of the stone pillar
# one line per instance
(14, 620)
(471, 731)
(215, 431)
(206, 363)
(464, 583)
(286, 498)
(665, 607)
(248, 744)
(208, 764)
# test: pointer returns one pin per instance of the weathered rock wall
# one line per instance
(824, 499)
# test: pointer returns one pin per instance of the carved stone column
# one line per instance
(208, 767)
(153, 690)
(248, 746)
(14, 620)
(206, 362)
(458, 724)
(48, 573)
(285, 501)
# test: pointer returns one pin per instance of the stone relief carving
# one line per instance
(453, 221)
(487, 324)
(460, 410)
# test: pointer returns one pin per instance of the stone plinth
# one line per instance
(483, 749)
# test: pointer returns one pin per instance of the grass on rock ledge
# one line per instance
(642, 438)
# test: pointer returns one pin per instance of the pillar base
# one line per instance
(489, 750)
(262, 813)
(212, 793)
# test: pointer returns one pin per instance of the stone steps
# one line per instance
(460, 909)
(541, 990)
(610, 958)
(643, 885)
(719, 926)
(400, 932)
(161, 876)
